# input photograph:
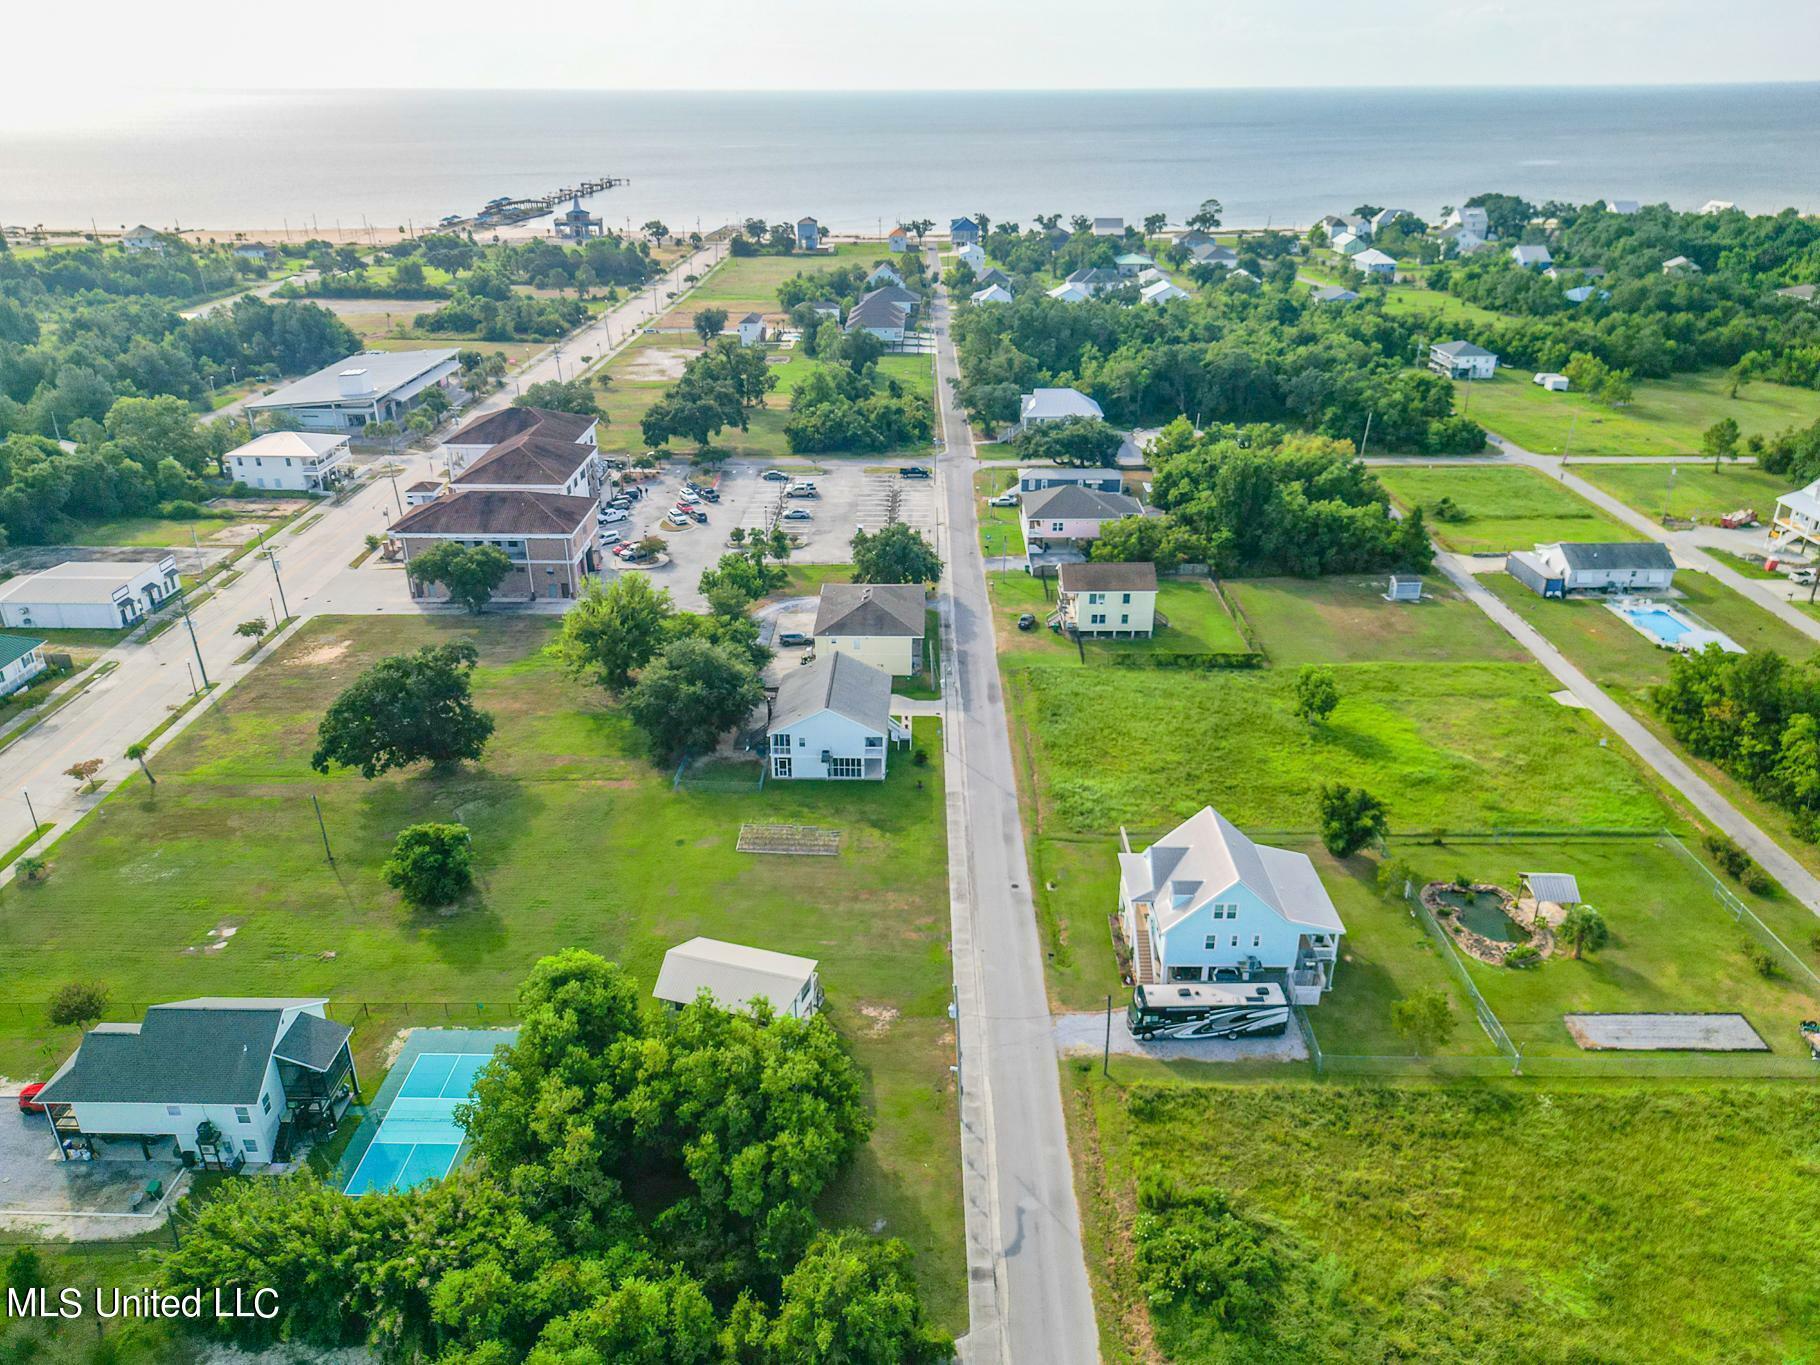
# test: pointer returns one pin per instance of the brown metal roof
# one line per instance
(497, 512)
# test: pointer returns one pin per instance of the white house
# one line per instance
(21, 660)
(1070, 293)
(1796, 524)
(477, 437)
(832, 719)
(880, 316)
(1350, 243)
(1570, 566)
(808, 234)
(1625, 206)
(1534, 257)
(1117, 600)
(1680, 265)
(1376, 264)
(1472, 219)
(256, 251)
(1129, 263)
(1332, 293)
(1205, 903)
(1554, 383)
(142, 238)
(1036, 477)
(751, 330)
(1383, 218)
(241, 1066)
(1465, 241)
(881, 624)
(972, 257)
(374, 386)
(1108, 227)
(1054, 405)
(898, 240)
(1717, 206)
(1212, 253)
(884, 273)
(1070, 512)
(297, 461)
(1462, 360)
(87, 595)
(992, 293)
(1580, 293)
(734, 976)
(1162, 291)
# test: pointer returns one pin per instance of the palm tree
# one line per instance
(137, 753)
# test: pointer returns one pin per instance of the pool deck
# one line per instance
(1668, 626)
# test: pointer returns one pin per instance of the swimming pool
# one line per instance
(418, 1139)
(1669, 627)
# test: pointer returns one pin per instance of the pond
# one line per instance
(1483, 913)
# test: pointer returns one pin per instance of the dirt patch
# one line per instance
(239, 533)
(882, 1017)
(655, 363)
(332, 652)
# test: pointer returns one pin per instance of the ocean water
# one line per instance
(861, 161)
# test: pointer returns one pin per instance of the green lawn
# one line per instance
(1667, 417)
(1501, 1221)
(1749, 568)
(1198, 623)
(579, 840)
(1347, 620)
(744, 284)
(1438, 307)
(153, 532)
(1505, 507)
(1692, 491)
(1458, 746)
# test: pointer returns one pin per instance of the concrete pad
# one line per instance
(1664, 1032)
(1084, 1035)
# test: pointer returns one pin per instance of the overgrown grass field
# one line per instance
(1347, 620)
(1690, 491)
(1503, 507)
(214, 882)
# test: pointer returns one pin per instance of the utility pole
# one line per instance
(183, 605)
(1366, 438)
(272, 558)
(30, 809)
(1106, 1056)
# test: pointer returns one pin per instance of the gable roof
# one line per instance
(962, 225)
(1372, 256)
(211, 1050)
(1461, 350)
(994, 275)
(1206, 855)
(896, 293)
(732, 973)
(1040, 404)
(312, 1042)
(499, 426)
(1137, 576)
(1641, 554)
(496, 512)
(751, 318)
(992, 293)
(531, 458)
(1334, 294)
(1076, 501)
(297, 445)
(835, 682)
(1531, 254)
(871, 609)
(873, 311)
(15, 647)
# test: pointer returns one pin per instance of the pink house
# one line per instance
(1071, 512)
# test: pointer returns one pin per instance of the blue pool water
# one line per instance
(1664, 625)
(418, 1139)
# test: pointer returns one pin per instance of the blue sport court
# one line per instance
(417, 1138)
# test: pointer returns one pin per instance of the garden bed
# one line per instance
(1470, 911)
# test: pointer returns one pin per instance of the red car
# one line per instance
(28, 1098)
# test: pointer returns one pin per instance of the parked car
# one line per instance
(700, 517)
(797, 490)
(28, 1098)
(676, 521)
(775, 476)
(913, 471)
(688, 495)
(1005, 499)
(1027, 621)
(710, 494)
(609, 537)
(799, 514)
(609, 515)
(792, 639)
(626, 551)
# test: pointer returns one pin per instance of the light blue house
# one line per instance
(963, 232)
(1205, 903)
(808, 234)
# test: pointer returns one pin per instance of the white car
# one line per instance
(798, 514)
(676, 521)
(688, 495)
(609, 537)
(1006, 499)
(609, 515)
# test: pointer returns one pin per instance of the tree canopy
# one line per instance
(691, 694)
(405, 709)
(613, 631)
(894, 554)
(468, 573)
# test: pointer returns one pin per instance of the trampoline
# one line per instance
(418, 1139)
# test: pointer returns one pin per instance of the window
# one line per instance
(174, 1110)
(1124, 618)
(780, 741)
(780, 766)
(1095, 598)
(1257, 940)
(265, 1104)
(242, 1114)
(1235, 940)
(1211, 942)
(1125, 599)
(250, 1145)
(845, 767)
(1056, 525)
(875, 741)
(1097, 619)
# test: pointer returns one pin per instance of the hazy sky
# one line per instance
(119, 50)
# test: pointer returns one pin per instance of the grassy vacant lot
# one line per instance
(1347, 620)
(1673, 945)
(1667, 417)
(645, 370)
(214, 882)
(1501, 1221)
(1438, 307)
(156, 532)
(1506, 507)
(746, 284)
(1198, 623)
(1689, 491)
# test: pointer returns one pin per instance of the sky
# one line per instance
(126, 50)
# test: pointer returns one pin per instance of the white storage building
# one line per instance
(87, 594)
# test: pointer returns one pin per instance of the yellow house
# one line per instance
(1107, 599)
(878, 623)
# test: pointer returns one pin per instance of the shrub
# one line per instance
(1194, 1249)
(1351, 818)
(34, 869)
(1761, 959)
(1522, 956)
(431, 864)
(78, 1002)
(1757, 881)
(1725, 851)
(1425, 1019)
(1393, 875)
(182, 509)
(920, 758)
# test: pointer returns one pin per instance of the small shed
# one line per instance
(734, 975)
(1404, 588)
(1554, 383)
(1552, 888)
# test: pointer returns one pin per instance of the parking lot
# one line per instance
(851, 494)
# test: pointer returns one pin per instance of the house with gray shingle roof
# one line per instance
(215, 1078)
(880, 623)
(831, 719)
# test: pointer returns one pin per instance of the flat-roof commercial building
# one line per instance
(374, 386)
(295, 461)
(88, 594)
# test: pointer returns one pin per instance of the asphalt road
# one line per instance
(154, 678)
(1029, 1292)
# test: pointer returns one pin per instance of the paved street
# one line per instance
(152, 679)
(1029, 1295)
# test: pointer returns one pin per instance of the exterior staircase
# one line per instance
(1142, 955)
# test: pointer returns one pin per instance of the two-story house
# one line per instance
(832, 719)
(1114, 600)
(1205, 903)
(880, 623)
(296, 461)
